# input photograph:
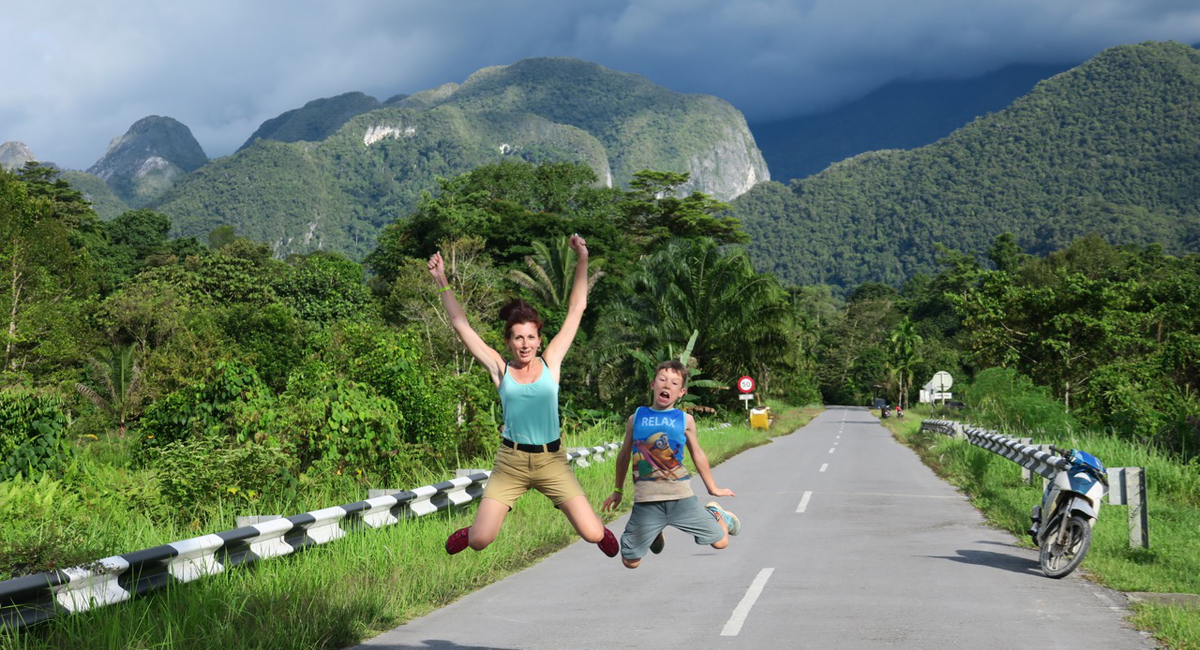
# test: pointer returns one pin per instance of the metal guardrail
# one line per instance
(29, 600)
(1126, 485)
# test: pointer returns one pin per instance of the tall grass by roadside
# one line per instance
(340, 593)
(1170, 565)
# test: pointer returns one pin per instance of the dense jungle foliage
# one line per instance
(1107, 148)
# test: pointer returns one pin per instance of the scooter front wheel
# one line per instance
(1060, 560)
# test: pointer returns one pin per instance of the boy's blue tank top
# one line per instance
(659, 446)
(530, 410)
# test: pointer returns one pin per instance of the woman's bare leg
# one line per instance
(488, 520)
(579, 512)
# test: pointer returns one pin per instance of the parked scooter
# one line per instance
(899, 412)
(886, 412)
(1062, 524)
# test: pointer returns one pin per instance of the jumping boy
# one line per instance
(655, 437)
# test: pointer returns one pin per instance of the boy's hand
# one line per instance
(721, 492)
(611, 502)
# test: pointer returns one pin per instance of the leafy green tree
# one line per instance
(655, 214)
(903, 357)
(324, 288)
(46, 275)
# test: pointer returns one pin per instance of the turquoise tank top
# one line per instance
(530, 410)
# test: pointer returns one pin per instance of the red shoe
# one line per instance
(609, 545)
(457, 540)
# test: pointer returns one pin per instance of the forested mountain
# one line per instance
(1107, 148)
(105, 202)
(900, 115)
(316, 120)
(140, 165)
(335, 194)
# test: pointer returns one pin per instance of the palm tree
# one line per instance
(551, 274)
(119, 377)
(903, 356)
(693, 286)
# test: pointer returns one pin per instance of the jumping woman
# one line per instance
(530, 455)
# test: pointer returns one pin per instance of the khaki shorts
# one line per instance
(516, 472)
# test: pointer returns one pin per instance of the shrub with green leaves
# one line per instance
(339, 426)
(1005, 399)
(31, 434)
(195, 475)
(201, 410)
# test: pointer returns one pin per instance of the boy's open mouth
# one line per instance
(664, 395)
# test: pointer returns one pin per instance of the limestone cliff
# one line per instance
(14, 155)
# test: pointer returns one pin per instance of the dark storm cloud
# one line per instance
(77, 75)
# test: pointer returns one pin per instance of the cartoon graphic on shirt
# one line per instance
(657, 460)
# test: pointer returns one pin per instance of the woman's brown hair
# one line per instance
(516, 312)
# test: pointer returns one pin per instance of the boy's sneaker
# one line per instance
(458, 540)
(609, 545)
(732, 523)
(658, 544)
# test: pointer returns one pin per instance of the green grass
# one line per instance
(1170, 565)
(343, 592)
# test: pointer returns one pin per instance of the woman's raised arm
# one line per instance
(557, 349)
(484, 353)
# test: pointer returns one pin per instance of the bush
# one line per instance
(196, 475)
(1008, 401)
(338, 426)
(201, 410)
(31, 434)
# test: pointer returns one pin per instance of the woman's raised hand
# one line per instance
(578, 244)
(437, 268)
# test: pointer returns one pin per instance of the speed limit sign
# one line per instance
(745, 384)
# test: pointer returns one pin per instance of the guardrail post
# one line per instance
(1026, 473)
(1139, 523)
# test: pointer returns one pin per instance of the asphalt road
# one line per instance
(848, 541)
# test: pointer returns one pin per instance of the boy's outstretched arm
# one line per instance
(701, 461)
(623, 457)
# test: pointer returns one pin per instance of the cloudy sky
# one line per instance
(77, 74)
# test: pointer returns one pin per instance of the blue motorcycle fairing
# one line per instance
(1084, 458)
(1081, 481)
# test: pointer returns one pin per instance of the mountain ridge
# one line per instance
(1105, 148)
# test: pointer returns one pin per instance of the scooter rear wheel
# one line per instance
(1058, 562)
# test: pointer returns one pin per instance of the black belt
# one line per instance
(534, 449)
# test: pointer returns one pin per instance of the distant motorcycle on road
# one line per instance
(1062, 523)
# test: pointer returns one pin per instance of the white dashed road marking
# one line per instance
(734, 625)
(824, 467)
(804, 501)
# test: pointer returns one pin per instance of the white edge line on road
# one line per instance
(824, 466)
(734, 625)
(804, 501)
